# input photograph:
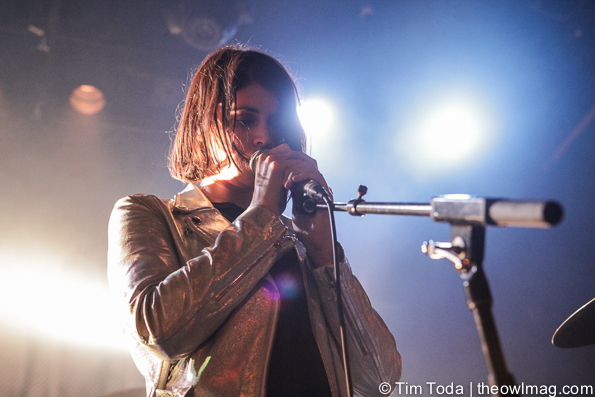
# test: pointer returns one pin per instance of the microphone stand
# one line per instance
(468, 217)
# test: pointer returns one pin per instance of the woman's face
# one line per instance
(255, 113)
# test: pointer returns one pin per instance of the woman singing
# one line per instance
(225, 296)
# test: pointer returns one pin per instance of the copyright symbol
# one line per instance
(384, 388)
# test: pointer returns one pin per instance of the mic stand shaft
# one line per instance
(470, 241)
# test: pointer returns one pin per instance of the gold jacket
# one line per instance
(201, 307)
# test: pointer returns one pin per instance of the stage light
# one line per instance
(206, 25)
(52, 302)
(317, 117)
(87, 99)
(451, 132)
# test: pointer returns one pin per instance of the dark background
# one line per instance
(378, 63)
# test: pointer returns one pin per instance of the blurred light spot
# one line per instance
(287, 284)
(87, 99)
(53, 302)
(39, 32)
(448, 134)
(203, 33)
(365, 11)
(316, 117)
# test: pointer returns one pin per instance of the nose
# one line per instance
(261, 136)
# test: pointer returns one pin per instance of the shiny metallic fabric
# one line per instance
(201, 308)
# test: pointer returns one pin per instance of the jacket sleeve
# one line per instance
(174, 305)
(372, 351)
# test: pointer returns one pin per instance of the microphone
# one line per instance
(309, 188)
(312, 190)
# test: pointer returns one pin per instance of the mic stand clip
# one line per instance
(352, 204)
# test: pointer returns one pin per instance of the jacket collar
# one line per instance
(199, 213)
(190, 199)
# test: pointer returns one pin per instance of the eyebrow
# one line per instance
(247, 108)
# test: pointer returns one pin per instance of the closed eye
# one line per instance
(245, 120)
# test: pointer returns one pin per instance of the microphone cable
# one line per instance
(314, 192)
(338, 292)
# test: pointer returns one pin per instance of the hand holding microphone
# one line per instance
(310, 188)
(281, 169)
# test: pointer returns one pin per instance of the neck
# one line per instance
(222, 191)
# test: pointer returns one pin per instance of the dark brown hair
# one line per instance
(200, 140)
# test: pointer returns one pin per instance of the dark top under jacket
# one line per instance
(295, 366)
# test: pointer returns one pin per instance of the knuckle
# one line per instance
(273, 165)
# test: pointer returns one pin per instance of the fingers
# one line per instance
(279, 170)
(302, 172)
(293, 166)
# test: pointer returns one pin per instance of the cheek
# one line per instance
(240, 137)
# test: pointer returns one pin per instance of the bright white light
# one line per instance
(316, 117)
(450, 133)
(40, 296)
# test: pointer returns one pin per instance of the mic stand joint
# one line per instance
(352, 204)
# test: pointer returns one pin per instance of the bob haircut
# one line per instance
(202, 145)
